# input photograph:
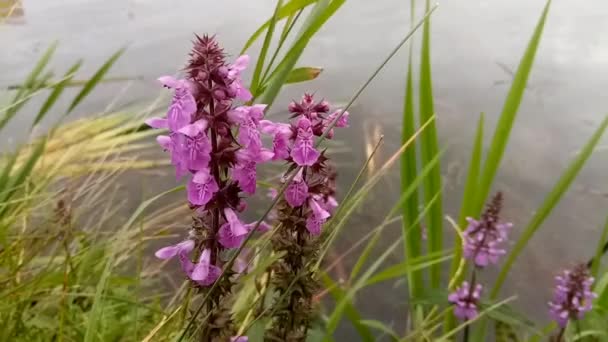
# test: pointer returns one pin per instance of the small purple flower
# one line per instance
(572, 296)
(183, 105)
(228, 239)
(245, 171)
(297, 191)
(342, 122)
(318, 216)
(304, 152)
(234, 74)
(204, 273)
(239, 339)
(194, 146)
(201, 188)
(483, 239)
(281, 134)
(465, 301)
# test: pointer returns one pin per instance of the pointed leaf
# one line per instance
(548, 204)
(97, 77)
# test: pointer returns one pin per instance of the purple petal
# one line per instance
(201, 188)
(318, 212)
(164, 141)
(194, 129)
(236, 226)
(157, 123)
(169, 81)
(167, 252)
(227, 237)
(297, 191)
(246, 176)
(201, 270)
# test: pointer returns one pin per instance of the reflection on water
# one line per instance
(476, 45)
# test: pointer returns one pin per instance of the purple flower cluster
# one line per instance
(483, 239)
(482, 245)
(465, 300)
(313, 187)
(202, 122)
(572, 296)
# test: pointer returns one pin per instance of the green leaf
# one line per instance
(6, 171)
(548, 204)
(381, 327)
(401, 269)
(97, 77)
(466, 209)
(285, 11)
(281, 73)
(412, 241)
(509, 112)
(262, 56)
(350, 311)
(404, 196)
(303, 74)
(57, 91)
(429, 147)
(599, 251)
(30, 83)
(17, 180)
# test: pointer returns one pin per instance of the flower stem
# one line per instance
(465, 336)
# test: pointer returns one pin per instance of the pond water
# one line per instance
(475, 47)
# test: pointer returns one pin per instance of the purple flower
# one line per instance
(194, 146)
(239, 339)
(201, 188)
(234, 74)
(572, 296)
(304, 152)
(183, 105)
(281, 134)
(465, 301)
(342, 122)
(317, 218)
(483, 239)
(297, 191)
(169, 252)
(245, 171)
(204, 273)
(227, 238)
(181, 250)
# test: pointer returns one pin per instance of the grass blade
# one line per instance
(466, 209)
(381, 327)
(6, 172)
(285, 11)
(401, 269)
(509, 112)
(548, 204)
(57, 91)
(412, 189)
(350, 311)
(255, 82)
(599, 251)
(289, 24)
(21, 176)
(429, 149)
(97, 77)
(279, 76)
(30, 83)
(411, 241)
